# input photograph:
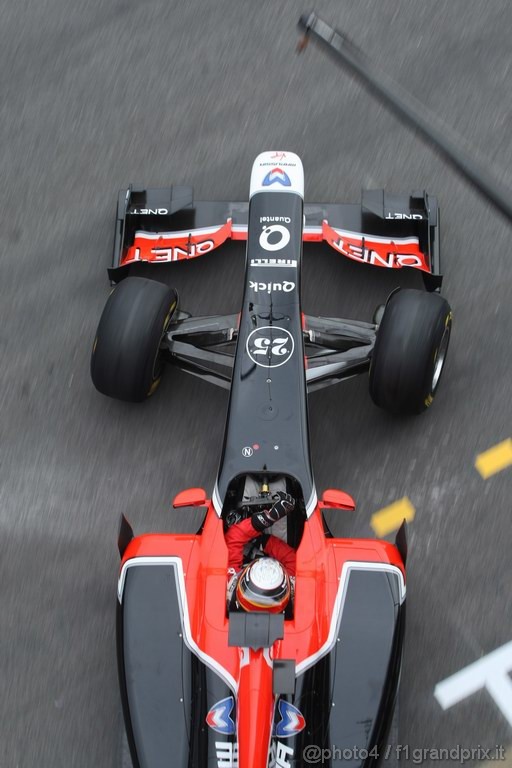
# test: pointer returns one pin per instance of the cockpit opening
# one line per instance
(263, 523)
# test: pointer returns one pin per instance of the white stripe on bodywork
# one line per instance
(177, 564)
(311, 505)
(214, 665)
(183, 233)
(217, 501)
(374, 238)
(339, 604)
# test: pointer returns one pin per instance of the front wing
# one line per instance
(391, 231)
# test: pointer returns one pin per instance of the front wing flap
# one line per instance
(391, 231)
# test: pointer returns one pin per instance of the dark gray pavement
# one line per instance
(97, 94)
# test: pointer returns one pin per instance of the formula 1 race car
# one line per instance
(298, 646)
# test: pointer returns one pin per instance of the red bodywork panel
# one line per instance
(336, 499)
(191, 497)
(159, 247)
(320, 568)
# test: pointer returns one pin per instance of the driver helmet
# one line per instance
(263, 585)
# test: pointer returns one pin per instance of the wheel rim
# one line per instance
(157, 364)
(440, 358)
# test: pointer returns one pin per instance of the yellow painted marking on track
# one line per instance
(390, 518)
(495, 459)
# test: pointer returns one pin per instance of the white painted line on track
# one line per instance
(490, 672)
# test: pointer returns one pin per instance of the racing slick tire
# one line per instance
(410, 351)
(126, 362)
(393, 747)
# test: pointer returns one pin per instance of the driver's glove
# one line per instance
(283, 504)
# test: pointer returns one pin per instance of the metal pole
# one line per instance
(407, 107)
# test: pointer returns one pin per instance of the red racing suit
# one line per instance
(241, 534)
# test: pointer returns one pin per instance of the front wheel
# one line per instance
(126, 360)
(410, 351)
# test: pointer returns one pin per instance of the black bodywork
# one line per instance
(270, 410)
(338, 695)
(347, 694)
(167, 691)
(267, 426)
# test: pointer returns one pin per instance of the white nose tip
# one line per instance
(277, 172)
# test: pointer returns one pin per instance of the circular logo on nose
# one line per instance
(275, 237)
(270, 346)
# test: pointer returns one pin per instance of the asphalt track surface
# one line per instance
(95, 95)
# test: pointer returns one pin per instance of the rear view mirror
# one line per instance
(337, 499)
(191, 497)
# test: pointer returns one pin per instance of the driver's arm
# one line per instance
(241, 533)
(280, 550)
(236, 538)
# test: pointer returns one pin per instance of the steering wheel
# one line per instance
(247, 507)
(258, 503)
